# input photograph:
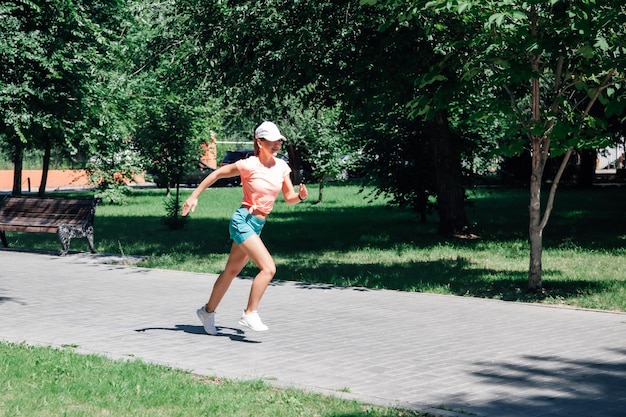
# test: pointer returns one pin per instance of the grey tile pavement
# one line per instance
(449, 355)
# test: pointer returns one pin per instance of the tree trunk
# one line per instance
(18, 159)
(539, 156)
(540, 151)
(535, 230)
(447, 170)
(45, 169)
(587, 168)
(295, 163)
(321, 191)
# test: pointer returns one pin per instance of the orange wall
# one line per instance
(56, 179)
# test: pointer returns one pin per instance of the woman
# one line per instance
(263, 176)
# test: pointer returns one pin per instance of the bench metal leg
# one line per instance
(67, 233)
(65, 236)
(89, 236)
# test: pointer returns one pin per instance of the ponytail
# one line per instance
(257, 148)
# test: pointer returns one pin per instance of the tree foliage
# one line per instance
(50, 53)
(164, 139)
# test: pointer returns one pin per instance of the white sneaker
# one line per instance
(208, 320)
(252, 321)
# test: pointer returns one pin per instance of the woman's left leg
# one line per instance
(237, 259)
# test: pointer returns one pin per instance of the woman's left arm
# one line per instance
(290, 195)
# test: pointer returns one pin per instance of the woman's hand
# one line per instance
(303, 193)
(190, 205)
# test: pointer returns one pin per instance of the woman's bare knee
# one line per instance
(230, 273)
(267, 270)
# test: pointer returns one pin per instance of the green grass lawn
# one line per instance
(41, 382)
(348, 240)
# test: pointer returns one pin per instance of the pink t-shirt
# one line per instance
(261, 184)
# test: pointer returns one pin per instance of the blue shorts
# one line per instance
(243, 225)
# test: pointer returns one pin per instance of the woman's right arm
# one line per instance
(225, 171)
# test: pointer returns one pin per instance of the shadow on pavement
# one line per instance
(238, 336)
(10, 300)
(552, 386)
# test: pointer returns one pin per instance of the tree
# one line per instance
(19, 53)
(561, 58)
(323, 143)
(551, 62)
(568, 62)
(164, 137)
(50, 52)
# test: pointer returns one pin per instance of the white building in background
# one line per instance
(612, 157)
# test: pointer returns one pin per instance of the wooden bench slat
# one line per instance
(74, 209)
(41, 213)
(43, 221)
(59, 218)
(34, 229)
(36, 214)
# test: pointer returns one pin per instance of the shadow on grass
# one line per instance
(141, 236)
(371, 412)
(286, 233)
(442, 276)
(299, 236)
(588, 219)
(591, 220)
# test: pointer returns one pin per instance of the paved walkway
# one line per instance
(471, 356)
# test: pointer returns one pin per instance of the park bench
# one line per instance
(67, 217)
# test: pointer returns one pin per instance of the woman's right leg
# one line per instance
(237, 259)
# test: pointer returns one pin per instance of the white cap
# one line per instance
(268, 131)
